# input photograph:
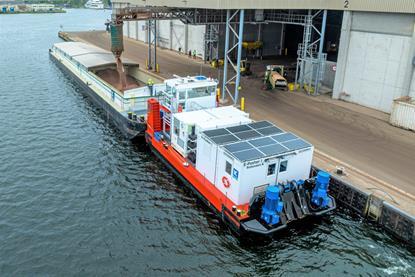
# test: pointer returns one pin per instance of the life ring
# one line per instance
(225, 181)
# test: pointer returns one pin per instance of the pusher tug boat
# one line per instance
(254, 175)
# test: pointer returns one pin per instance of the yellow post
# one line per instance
(242, 103)
(157, 68)
(218, 93)
(146, 64)
(286, 51)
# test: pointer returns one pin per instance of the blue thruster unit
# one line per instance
(320, 197)
(272, 206)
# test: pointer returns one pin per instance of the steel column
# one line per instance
(225, 60)
(155, 45)
(238, 63)
(323, 32)
(149, 43)
(230, 57)
(311, 61)
(320, 66)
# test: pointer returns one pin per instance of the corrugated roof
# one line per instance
(395, 6)
(89, 55)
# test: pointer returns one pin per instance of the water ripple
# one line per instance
(76, 198)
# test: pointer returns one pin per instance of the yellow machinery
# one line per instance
(245, 68)
(274, 77)
(217, 63)
(252, 45)
(253, 48)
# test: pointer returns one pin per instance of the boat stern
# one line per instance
(284, 204)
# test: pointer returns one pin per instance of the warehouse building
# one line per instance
(363, 51)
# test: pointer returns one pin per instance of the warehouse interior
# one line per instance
(361, 55)
(274, 40)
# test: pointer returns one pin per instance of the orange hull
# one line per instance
(213, 197)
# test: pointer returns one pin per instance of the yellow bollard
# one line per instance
(218, 93)
(157, 68)
(242, 103)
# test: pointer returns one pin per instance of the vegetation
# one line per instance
(67, 3)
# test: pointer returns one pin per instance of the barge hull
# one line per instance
(121, 122)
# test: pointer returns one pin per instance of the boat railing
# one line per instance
(134, 104)
(109, 92)
(139, 103)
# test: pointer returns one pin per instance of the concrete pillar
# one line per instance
(282, 39)
(147, 30)
(409, 73)
(343, 53)
(136, 30)
(186, 38)
(171, 35)
(259, 38)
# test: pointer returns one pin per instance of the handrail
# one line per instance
(108, 91)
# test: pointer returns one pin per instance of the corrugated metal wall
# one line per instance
(171, 34)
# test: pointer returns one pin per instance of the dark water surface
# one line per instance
(78, 199)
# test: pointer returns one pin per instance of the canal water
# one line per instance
(78, 199)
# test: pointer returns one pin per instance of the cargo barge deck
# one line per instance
(94, 69)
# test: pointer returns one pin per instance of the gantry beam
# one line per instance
(387, 6)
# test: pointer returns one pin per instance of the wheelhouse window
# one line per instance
(168, 89)
(198, 92)
(283, 166)
(182, 94)
(176, 126)
(271, 169)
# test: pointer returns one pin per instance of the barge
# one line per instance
(253, 175)
(95, 70)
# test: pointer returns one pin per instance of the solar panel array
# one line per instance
(256, 140)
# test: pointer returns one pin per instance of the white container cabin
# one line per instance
(187, 126)
(251, 157)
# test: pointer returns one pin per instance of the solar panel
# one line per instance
(237, 129)
(259, 124)
(296, 144)
(239, 146)
(224, 139)
(274, 149)
(251, 154)
(217, 132)
(284, 137)
(247, 134)
(269, 130)
(256, 140)
(261, 142)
